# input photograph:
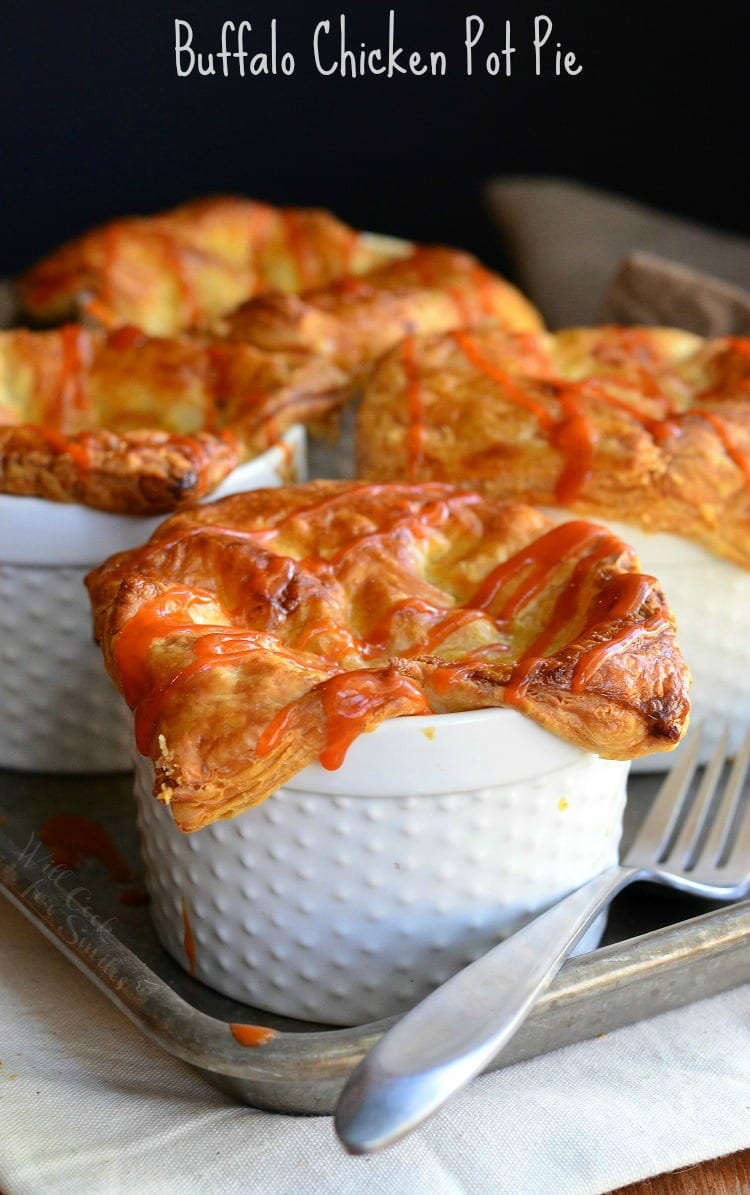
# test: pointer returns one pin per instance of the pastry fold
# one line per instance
(254, 635)
(649, 426)
(355, 321)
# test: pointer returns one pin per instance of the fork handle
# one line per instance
(453, 1034)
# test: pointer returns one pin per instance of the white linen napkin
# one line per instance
(89, 1107)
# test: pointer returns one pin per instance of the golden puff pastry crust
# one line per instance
(135, 424)
(184, 268)
(256, 634)
(355, 321)
(649, 426)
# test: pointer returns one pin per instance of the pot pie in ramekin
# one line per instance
(646, 428)
(184, 268)
(257, 639)
(255, 635)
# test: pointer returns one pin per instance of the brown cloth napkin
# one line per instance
(649, 290)
(566, 241)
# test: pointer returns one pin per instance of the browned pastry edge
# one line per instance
(133, 424)
(286, 587)
(139, 473)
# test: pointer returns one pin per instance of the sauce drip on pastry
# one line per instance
(642, 425)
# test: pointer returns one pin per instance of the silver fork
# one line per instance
(701, 846)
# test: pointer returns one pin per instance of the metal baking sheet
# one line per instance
(662, 950)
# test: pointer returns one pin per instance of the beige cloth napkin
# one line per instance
(89, 1107)
(566, 241)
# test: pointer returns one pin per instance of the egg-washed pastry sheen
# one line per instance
(132, 423)
(178, 269)
(649, 426)
(259, 633)
(355, 321)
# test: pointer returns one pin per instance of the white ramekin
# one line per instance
(59, 711)
(710, 598)
(348, 895)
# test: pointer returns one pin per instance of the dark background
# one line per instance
(94, 122)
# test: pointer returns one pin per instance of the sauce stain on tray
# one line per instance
(252, 1035)
(70, 839)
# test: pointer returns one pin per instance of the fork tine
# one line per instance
(654, 835)
(684, 850)
(717, 843)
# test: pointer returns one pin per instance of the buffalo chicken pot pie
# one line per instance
(140, 424)
(178, 269)
(649, 426)
(257, 634)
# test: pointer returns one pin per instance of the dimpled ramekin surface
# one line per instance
(344, 909)
(59, 711)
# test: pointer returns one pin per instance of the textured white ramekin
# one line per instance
(59, 711)
(348, 895)
(710, 598)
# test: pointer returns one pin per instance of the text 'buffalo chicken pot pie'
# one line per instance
(647, 428)
(258, 638)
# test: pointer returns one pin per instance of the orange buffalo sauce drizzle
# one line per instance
(75, 448)
(261, 223)
(350, 698)
(103, 306)
(539, 561)
(416, 434)
(299, 249)
(212, 646)
(70, 839)
(252, 1035)
(71, 398)
(735, 454)
(575, 437)
(573, 434)
(621, 598)
(484, 284)
(531, 569)
(188, 940)
(175, 258)
(349, 701)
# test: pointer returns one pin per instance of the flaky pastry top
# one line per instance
(140, 424)
(649, 426)
(178, 269)
(254, 635)
(135, 424)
